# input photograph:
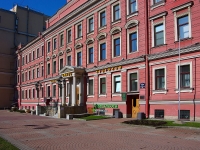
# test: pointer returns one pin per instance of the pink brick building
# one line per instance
(118, 54)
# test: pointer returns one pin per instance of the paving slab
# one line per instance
(30, 132)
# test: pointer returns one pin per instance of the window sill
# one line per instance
(162, 3)
(116, 94)
(79, 38)
(184, 90)
(103, 27)
(90, 33)
(92, 63)
(90, 96)
(158, 46)
(132, 52)
(164, 91)
(116, 21)
(102, 95)
(116, 56)
(185, 39)
(69, 42)
(102, 60)
(132, 14)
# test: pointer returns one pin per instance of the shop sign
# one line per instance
(142, 85)
(97, 106)
(69, 74)
(123, 95)
(54, 81)
(109, 69)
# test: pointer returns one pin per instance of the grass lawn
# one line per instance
(94, 117)
(5, 145)
(157, 123)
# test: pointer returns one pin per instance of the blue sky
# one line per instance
(48, 7)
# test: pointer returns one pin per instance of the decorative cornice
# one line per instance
(131, 23)
(101, 36)
(78, 45)
(189, 4)
(69, 49)
(89, 41)
(60, 53)
(175, 52)
(48, 58)
(120, 63)
(115, 30)
(158, 15)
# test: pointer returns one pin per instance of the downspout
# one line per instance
(146, 59)
(194, 89)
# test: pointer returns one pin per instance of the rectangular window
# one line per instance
(91, 87)
(42, 71)
(103, 51)
(48, 91)
(33, 76)
(91, 24)
(133, 42)
(48, 47)
(79, 31)
(29, 57)
(68, 89)
(26, 59)
(48, 69)
(159, 79)
(116, 47)
(54, 90)
(22, 60)
(69, 36)
(42, 92)
(79, 59)
(102, 85)
(183, 27)
(33, 55)
(184, 76)
(22, 94)
(116, 12)
(184, 114)
(42, 50)
(159, 113)
(91, 55)
(29, 92)
(132, 6)
(61, 64)
(117, 84)
(22, 77)
(26, 76)
(38, 73)
(33, 93)
(133, 82)
(157, 1)
(29, 75)
(54, 67)
(61, 40)
(38, 51)
(69, 60)
(54, 43)
(159, 34)
(102, 19)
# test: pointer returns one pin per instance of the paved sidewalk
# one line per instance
(29, 132)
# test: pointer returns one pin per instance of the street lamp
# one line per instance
(38, 86)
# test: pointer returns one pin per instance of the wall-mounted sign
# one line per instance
(69, 74)
(109, 69)
(142, 85)
(97, 106)
(54, 81)
(123, 95)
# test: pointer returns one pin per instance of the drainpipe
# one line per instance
(194, 89)
(146, 58)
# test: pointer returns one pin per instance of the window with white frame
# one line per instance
(102, 18)
(22, 61)
(117, 84)
(42, 72)
(79, 30)
(29, 75)
(33, 74)
(159, 34)
(48, 91)
(48, 46)
(29, 57)
(48, 69)
(54, 90)
(185, 78)
(33, 55)
(38, 73)
(157, 1)
(90, 24)
(69, 59)
(91, 87)
(133, 42)
(69, 36)
(33, 94)
(54, 67)
(102, 51)
(29, 93)
(61, 63)
(90, 55)
(116, 12)
(102, 86)
(42, 50)
(38, 53)
(79, 59)
(133, 81)
(54, 43)
(22, 94)
(116, 47)
(132, 6)
(61, 40)
(160, 79)
(183, 27)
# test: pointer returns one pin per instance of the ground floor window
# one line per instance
(159, 113)
(184, 114)
(117, 84)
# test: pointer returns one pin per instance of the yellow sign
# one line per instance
(53, 81)
(109, 69)
(67, 74)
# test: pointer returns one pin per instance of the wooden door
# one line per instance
(135, 107)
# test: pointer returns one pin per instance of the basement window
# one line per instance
(159, 113)
(184, 114)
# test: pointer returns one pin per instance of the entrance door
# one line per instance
(135, 107)
(77, 95)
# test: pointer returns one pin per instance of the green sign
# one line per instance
(123, 95)
(98, 106)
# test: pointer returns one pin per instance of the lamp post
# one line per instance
(38, 86)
